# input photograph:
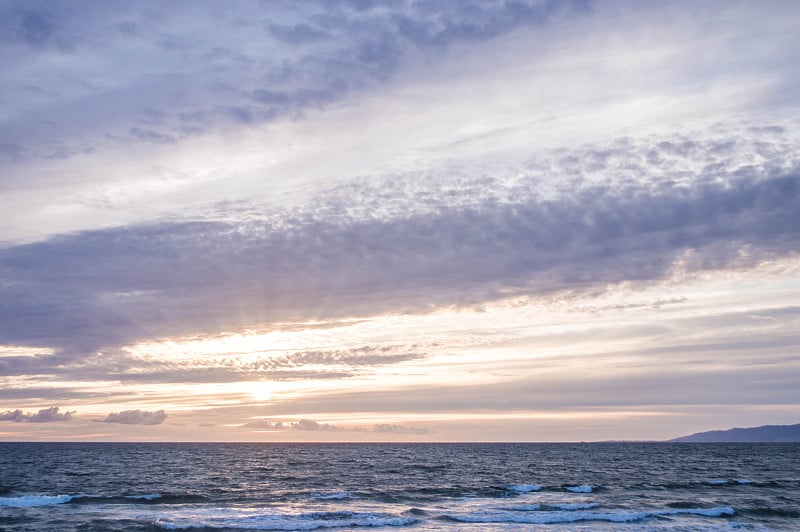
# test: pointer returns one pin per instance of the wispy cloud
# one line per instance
(318, 53)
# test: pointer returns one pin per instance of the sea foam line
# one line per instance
(524, 488)
(549, 517)
(26, 501)
(584, 488)
(226, 519)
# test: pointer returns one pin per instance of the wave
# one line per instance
(713, 484)
(581, 489)
(724, 481)
(25, 501)
(550, 506)
(524, 488)
(147, 498)
(787, 513)
(230, 519)
(334, 495)
(560, 517)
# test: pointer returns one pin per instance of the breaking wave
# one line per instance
(567, 516)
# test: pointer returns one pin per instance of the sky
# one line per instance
(364, 220)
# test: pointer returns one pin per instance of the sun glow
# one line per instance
(259, 390)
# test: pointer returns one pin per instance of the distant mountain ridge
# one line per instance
(763, 434)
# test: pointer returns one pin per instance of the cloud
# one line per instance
(136, 417)
(46, 415)
(315, 426)
(265, 424)
(352, 357)
(151, 366)
(247, 66)
(308, 424)
(38, 28)
(384, 428)
(84, 292)
(302, 424)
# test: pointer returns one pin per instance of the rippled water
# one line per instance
(621, 486)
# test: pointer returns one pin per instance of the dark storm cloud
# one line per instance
(92, 290)
(46, 415)
(221, 64)
(136, 417)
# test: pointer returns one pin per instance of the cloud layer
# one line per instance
(94, 290)
(193, 69)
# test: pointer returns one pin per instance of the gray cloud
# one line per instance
(384, 428)
(46, 415)
(308, 424)
(100, 289)
(253, 64)
(265, 424)
(136, 417)
(315, 426)
(37, 26)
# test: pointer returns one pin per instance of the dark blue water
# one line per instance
(620, 486)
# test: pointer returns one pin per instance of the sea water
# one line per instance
(614, 486)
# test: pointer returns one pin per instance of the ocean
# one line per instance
(422, 487)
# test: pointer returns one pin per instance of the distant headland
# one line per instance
(763, 434)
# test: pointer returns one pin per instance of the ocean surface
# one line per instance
(614, 486)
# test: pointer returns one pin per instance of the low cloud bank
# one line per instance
(46, 415)
(136, 417)
(315, 426)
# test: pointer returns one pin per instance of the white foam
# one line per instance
(34, 500)
(522, 508)
(744, 481)
(147, 497)
(547, 518)
(524, 488)
(556, 517)
(581, 489)
(573, 507)
(226, 518)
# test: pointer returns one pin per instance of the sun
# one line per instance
(259, 390)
